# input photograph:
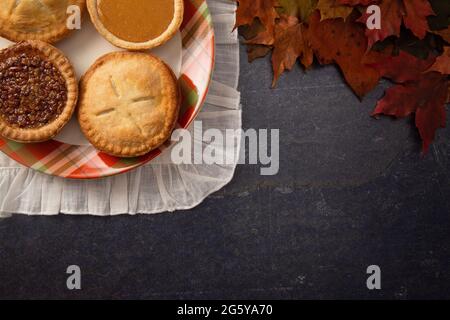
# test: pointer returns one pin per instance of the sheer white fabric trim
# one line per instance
(158, 187)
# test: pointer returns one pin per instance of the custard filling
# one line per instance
(136, 20)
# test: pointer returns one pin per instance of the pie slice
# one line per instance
(38, 91)
(129, 103)
(44, 20)
(137, 24)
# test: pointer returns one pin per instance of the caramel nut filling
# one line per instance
(33, 92)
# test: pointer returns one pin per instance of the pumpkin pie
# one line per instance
(137, 24)
(44, 20)
(38, 91)
(129, 103)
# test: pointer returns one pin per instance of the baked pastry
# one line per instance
(38, 91)
(137, 24)
(129, 103)
(44, 20)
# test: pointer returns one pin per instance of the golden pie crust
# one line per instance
(174, 26)
(55, 60)
(129, 103)
(44, 20)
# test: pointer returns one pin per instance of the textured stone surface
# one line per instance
(351, 192)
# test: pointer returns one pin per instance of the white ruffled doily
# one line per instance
(158, 187)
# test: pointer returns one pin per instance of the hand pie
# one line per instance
(38, 91)
(137, 24)
(44, 20)
(129, 103)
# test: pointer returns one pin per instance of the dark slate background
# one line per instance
(352, 191)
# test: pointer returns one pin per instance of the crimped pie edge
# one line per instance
(106, 145)
(50, 130)
(51, 34)
(136, 46)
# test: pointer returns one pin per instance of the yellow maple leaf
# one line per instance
(301, 9)
(329, 9)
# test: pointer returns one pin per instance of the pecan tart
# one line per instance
(44, 20)
(129, 103)
(137, 24)
(38, 91)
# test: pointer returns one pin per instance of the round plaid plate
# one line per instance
(84, 162)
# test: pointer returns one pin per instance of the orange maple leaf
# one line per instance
(290, 44)
(264, 10)
(330, 9)
(445, 34)
(442, 64)
(344, 43)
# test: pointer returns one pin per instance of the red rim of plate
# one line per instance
(84, 162)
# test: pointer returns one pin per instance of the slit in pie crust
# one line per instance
(129, 103)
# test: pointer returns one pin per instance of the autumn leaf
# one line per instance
(249, 10)
(445, 34)
(411, 44)
(442, 64)
(290, 44)
(256, 51)
(403, 67)
(287, 40)
(417, 12)
(413, 13)
(391, 12)
(441, 20)
(294, 30)
(344, 43)
(249, 31)
(329, 9)
(257, 34)
(415, 92)
(301, 9)
(425, 97)
(432, 90)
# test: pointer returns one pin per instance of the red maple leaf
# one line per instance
(403, 68)
(413, 13)
(344, 43)
(417, 12)
(416, 92)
